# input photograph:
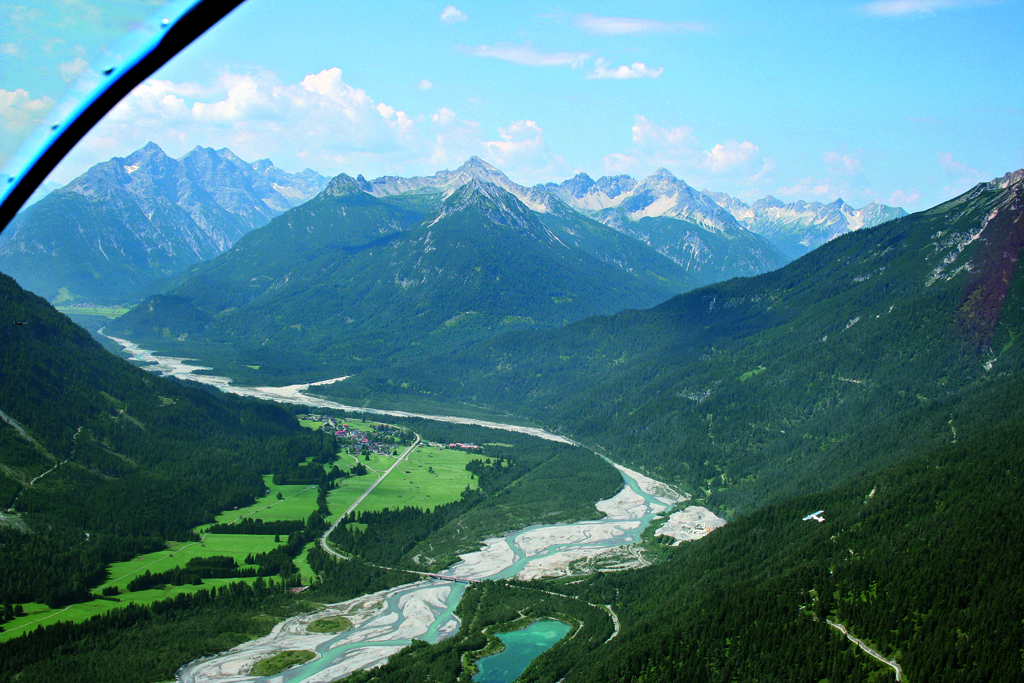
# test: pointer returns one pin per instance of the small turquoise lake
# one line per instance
(521, 648)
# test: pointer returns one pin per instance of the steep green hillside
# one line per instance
(919, 561)
(349, 281)
(101, 460)
(754, 388)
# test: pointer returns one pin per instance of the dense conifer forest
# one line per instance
(130, 460)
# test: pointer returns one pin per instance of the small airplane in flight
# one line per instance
(816, 516)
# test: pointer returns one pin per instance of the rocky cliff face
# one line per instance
(130, 221)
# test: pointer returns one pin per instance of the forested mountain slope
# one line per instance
(761, 388)
(349, 280)
(920, 560)
(90, 444)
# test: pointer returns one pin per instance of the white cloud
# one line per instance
(901, 198)
(455, 140)
(899, 8)
(529, 55)
(521, 138)
(951, 166)
(247, 98)
(443, 116)
(424, 85)
(631, 26)
(321, 121)
(11, 50)
(635, 70)
(617, 163)
(19, 111)
(70, 71)
(735, 163)
(20, 17)
(647, 134)
(451, 15)
(723, 158)
(843, 164)
(960, 176)
(75, 13)
(844, 177)
(766, 168)
(19, 114)
(523, 154)
(806, 187)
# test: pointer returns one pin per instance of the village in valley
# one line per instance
(380, 439)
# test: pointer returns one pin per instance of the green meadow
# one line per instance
(177, 554)
(350, 488)
(298, 501)
(428, 478)
(108, 312)
(38, 614)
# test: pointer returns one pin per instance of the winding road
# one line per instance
(868, 649)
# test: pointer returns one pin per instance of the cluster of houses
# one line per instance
(356, 441)
(472, 447)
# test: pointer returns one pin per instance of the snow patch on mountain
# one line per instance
(797, 227)
(616, 200)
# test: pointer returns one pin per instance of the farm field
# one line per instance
(299, 500)
(350, 488)
(108, 312)
(428, 478)
(121, 573)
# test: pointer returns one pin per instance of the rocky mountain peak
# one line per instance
(664, 183)
(578, 185)
(615, 185)
(493, 202)
(475, 162)
(261, 166)
(1009, 179)
(344, 184)
(769, 202)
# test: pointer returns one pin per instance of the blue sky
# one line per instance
(904, 102)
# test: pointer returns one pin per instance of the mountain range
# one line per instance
(448, 259)
(148, 217)
(798, 227)
(737, 387)
(683, 223)
(350, 279)
(661, 211)
(110, 234)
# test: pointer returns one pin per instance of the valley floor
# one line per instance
(385, 622)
